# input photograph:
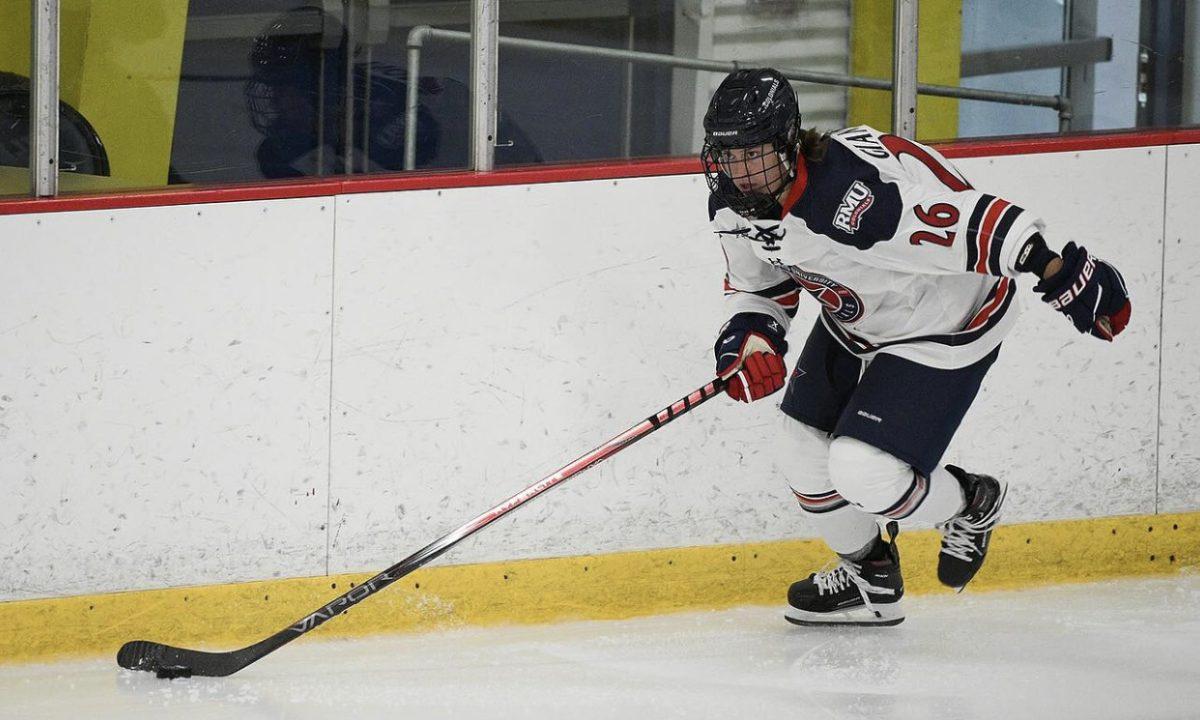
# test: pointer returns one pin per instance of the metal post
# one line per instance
(1191, 66)
(366, 112)
(43, 130)
(321, 114)
(627, 97)
(377, 15)
(485, 31)
(415, 38)
(348, 88)
(904, 70)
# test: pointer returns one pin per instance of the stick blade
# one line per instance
(170, 662)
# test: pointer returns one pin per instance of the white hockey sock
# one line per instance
(943, 500)
(846, 530)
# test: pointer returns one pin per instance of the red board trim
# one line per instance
(1033, 144)
(547, 174)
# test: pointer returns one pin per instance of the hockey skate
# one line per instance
(866, 593)
(965, 537)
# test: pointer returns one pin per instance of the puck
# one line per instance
(170, 673)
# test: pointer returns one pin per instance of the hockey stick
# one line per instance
(169, 662)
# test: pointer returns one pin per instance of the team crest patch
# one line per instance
(855, 203)
(842, 303)
(767, 236)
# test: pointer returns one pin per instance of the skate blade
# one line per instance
(844, 623)
(885, 615)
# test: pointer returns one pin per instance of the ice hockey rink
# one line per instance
(1121, 649)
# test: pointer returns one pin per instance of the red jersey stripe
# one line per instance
(985, 233)
(981, 317)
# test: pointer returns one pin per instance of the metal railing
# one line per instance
(44, 161)
(418, 35)
(43, 125)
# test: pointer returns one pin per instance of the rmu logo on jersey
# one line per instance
(855, 203)
(842, 303)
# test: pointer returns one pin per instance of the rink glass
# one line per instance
(218, 91)
(14, 99)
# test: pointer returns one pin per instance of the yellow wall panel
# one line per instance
(119, 66)
(612, 586)
(939, 42)
(128, 81)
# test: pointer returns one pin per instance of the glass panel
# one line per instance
(14, 98)
(998, 45)
(119, 77)
(272, 95)
(562, 107)
(821, 37)
(1119, 64)
(871, 56)
(573, 107)
(260, 92)
(226, 91)
(443, 118)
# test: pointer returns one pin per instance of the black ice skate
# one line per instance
(965, 536)
(866, 593)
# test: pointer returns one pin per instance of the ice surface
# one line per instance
(1123, 649)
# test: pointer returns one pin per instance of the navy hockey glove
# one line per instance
(749, 353)
(1090, 292)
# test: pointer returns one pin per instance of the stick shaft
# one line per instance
(444, 543)
(144, 655)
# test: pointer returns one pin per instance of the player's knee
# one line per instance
(804, 454)
(865, 475)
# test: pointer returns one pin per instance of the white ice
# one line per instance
(1123, 649)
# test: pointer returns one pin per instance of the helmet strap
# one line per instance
(797, 185)
(787, 158)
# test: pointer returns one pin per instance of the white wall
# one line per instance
(166, 378)
(1071, 419)
(164, 396)
(1179, 461)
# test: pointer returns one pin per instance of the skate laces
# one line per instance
(958, 538)
(830, 581)
(844, 574)
(958, 534)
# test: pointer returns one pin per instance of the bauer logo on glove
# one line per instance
(1090, 292)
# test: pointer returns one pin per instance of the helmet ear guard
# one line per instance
(751, 108)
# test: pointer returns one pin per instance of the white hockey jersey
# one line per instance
(903, 254)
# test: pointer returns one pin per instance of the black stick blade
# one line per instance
(169, 662)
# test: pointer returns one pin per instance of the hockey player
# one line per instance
(915, 271)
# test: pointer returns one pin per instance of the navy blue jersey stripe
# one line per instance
(973, 230)
(910, 500)
(853, 343)
(782, 288)
(998, 237)
(716, 204)
(821, 510)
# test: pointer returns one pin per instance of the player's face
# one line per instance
(755, 169)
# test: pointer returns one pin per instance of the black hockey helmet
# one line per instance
(751, 108)
(285, 61)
